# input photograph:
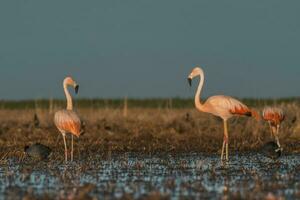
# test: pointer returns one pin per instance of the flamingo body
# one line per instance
(273, 115)
(226, 107)
(67, 121)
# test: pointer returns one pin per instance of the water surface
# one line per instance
(246, 176)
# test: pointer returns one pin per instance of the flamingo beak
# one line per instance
(76, 88)
(190, 81)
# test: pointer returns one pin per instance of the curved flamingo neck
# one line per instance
(69, 98)
(198, 103)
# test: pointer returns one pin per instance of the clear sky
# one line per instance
(146, 48)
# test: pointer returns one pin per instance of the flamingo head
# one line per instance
(69, 81)
(195, 72)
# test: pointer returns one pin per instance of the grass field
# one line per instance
(148, 130)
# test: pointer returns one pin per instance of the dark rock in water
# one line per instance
(37, 151)
(271, 150)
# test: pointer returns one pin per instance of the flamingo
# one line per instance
(66, 120)
(274, 116)
(224, 107)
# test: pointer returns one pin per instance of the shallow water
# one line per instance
(246, 176)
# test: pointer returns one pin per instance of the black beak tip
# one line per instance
(190, 81)
(76, 89)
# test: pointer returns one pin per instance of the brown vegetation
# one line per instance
(144, 130)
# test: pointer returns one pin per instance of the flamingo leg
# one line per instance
(271, 128)
(66, 150)
(226, 138)
(227, 151)
(276, 136)
(72, 149)
(275, 132)
(225, 142)
(223, 148)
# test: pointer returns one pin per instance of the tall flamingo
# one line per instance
(274, 116)
(224, 107)
(67, 121)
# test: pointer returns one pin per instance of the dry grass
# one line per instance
(143, 130)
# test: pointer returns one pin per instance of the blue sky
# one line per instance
(147, 48)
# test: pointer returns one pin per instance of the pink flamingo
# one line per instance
(67, 121)
(274, 116)
(224, 107)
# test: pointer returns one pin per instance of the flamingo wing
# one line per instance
(225, 106)
(68, 121)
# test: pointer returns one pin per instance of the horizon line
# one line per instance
(145, 98)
